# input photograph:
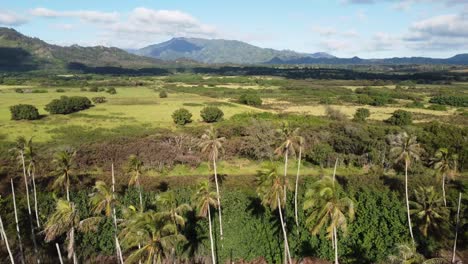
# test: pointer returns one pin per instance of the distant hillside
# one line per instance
(19, 52)
(219, 51)
(460, 59)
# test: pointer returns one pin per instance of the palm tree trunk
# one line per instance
(283, 227)
(17, 224)
(443, 189)
(59, 253)
(117, 244)
(26, 182)
(219, 199)
(211, 236)
(2, 229)
(456, 229)
(335, 246)
(334, 170)
(285, 174)
(72, 246)
(407, 202)
(36, 209)
(67, 187)
(139, 192)
(297, 186)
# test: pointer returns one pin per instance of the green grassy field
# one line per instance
(131, 106)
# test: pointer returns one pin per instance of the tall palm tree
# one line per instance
(18, 233)
(19, 149)
(445, 163)
(134, 167)
(429, 210)
(204, 199)
(64, 220)
(63, 161)
(5, 238)
(405, 149)
(213, 145)
(287, 147)
(150, 235)
(326, 208)
(270, 189)
(30, 156)
(300, 143)
(407, 254)
(167, 202)
(102, 199)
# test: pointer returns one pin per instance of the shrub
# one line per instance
(24, 111)
(250, 99)
(450, 100)
(361, 114)
(162, 94)
(437, 107)
(111, 90)
(98, 99)
(19, 90)
(94, 89)
(39, 91)
(400, 118)
(101, 89)
(334, 114)
(66, 105)
(211, 114)
(182, 116)
(60, 90)
(83, 89)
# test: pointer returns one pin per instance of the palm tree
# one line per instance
(270, 189)
(213, 145)
(18, 233)
(204, 198)
(5, 238)
(19, 149)
(167, 202)
(30, 156)
(102, 199)
(407, 254)
(429, 210)
(327, 208)
(134, 167)
(405, 149)
(445, 163)
(150, 235)
(300, 143)
(63, 161)
(287, 147)
(64, 220)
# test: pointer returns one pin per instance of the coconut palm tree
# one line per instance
(445, 163)
(19, 149)
(429, 210)
(64, 220)
(405, 148)
(300, 142)
(150, 235)
(30, 157)
(5, 238)
(63, 161)
(18, 233)
(407, 254)
(134, 167)
(167, 202)
(270, 189)
(212, 145)
(288, 146)
(204, 199)
(325, 207)
(102, 199)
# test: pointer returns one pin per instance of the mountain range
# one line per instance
(20, 52)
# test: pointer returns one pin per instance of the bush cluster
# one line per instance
(24, 112)
(400, 118)
(459, 101)
(182, 116)
(66, 105)
(361, 115)
(211, 114)
(111, 90)
(250, 99)
(99, 99)
(162, 94)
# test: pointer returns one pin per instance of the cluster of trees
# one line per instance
(141, 231)
(209, 114)
(66, 105)
(452, 100)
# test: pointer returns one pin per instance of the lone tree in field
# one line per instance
(327, 208)
(405, 149)
(204, 199)
(212, 145)
(270, 189)
(182, 117)
(445, 163)
(134, 167)
(24, 112)
(211, 114)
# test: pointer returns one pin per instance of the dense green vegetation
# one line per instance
(24, 111)
(66, 105)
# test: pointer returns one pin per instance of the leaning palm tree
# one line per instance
(30, 157)
(429, 210)
(287, 147)
(270, 189)
(445, 163)
(63, 161)
(102, 199)
(326, 208)
(204, 199)
(64, 220)
(150, 235)
(134, 167)
(213, 145)
(405, 149)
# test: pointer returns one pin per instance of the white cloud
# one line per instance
(84, 15)
(9, 18)
(324, 31)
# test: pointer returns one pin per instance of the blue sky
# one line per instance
(345, 28)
